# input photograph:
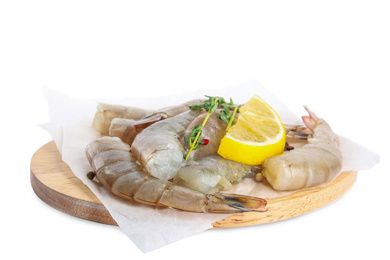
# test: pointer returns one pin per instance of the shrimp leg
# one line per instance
(117, 170)
(316, 162)
(298, 132)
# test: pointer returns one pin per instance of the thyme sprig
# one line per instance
(191, 140)
(210, 105)
(227, 115)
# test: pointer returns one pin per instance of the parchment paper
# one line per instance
(147, 227)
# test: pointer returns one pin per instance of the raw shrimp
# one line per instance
(316, 162)
(212, 173)
(157, 147)
(127, 129)
(117, 170)
(106, 112)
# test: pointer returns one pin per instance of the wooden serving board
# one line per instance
(54, 182)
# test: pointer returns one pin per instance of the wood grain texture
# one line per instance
(54, 183)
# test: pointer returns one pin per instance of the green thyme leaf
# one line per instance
(195, 107)
(186, 140)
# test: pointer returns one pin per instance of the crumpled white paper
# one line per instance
(149, 228)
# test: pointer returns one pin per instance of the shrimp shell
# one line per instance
(316, 162)
(118, 171)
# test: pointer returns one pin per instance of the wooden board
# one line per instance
(54, 182)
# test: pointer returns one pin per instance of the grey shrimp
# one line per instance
(117, 170)
(316, 162)
(107, 112)
(127, 126)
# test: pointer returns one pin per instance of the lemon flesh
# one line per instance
(257, 134)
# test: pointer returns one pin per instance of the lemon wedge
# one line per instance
(257, 134)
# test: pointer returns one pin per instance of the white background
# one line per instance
(331, 55)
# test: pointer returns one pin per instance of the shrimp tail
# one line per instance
(229, 203)
(312, 120)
